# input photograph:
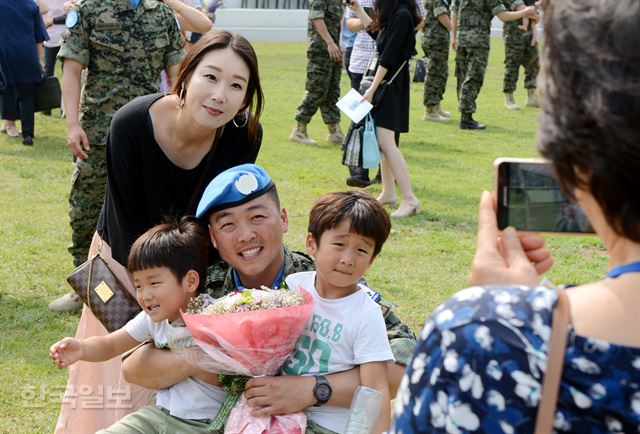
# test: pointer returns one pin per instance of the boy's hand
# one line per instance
(66, 352)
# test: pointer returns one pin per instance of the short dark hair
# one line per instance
(179, 246)
(590, 118)
(368, 217)
(219, 40)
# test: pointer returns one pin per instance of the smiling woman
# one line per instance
(162, 151)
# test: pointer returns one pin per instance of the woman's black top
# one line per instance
(396, 43)
(143, 185)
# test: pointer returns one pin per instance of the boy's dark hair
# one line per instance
(179, 246)
(368, 217)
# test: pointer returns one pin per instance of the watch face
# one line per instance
(323, 392)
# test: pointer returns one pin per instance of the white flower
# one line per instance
(471, 380)
(444, 316)
(636, 363)
(613, 425)
(470, 294)
(460, 415)
(598, 391)
(540, 328)
(586, 366)
(483, 337)
(448, 337)
(504, 310)
(434, 376)
(418, 368)
(559, 422)
(542, 300)
(581, 400)
(427, 329)
(527, 387)
(451, 361)
(635, 402)
(597, 345)
(506, 428)
(505, 297)
(494, 370)
(495, 399)
(438, 409)
(403, 394)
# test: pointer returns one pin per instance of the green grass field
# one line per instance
(426, 259)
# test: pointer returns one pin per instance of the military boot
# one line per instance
(509, 102)
(299, 134)
(468, 123)
(335, 134)
(432, 114)
(532, 98)
(444, 114)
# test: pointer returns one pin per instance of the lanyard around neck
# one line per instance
(276, 283)
(631, 267)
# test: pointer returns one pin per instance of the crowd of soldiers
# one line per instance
(463, 25)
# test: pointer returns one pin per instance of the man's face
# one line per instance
(249, 238)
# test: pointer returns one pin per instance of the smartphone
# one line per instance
(529, 198)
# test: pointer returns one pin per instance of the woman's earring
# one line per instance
(244, 123)
(181, 97)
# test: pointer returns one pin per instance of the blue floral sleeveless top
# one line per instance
(479, 364)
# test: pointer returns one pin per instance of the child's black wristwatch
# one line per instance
(322, 390)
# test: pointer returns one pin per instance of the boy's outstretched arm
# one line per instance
(93, 349)
(374, 376)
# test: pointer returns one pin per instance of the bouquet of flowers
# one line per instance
(242, 335)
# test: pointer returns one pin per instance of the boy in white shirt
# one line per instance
(346, 232)
(167, 263)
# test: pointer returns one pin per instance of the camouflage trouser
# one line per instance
(519, 52)
(401, 337)
(471, 64)
(85, 201)
(322, 89)
(437, 74)
(314, 428)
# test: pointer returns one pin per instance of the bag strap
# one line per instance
(397, 72)
(207, 165)
(555, 360)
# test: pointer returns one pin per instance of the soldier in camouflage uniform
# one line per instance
(471, 29)
(222, 279)
(518, 50)
(324, 67)
(122, 49)
(435, 43)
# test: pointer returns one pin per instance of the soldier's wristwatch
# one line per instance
(321, 391)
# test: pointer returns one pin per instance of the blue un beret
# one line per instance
(234, 187)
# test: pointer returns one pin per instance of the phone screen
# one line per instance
(530, 199)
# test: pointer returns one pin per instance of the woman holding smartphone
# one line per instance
(393, 28)
(483, 355)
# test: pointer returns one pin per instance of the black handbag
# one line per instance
(381, 91)
(48, 94)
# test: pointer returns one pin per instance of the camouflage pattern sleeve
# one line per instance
(496, 6)
(316, 9)
(75, 40)
(401, 337)
(439, 8)
(175, 50)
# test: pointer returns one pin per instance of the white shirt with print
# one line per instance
(340, 334)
